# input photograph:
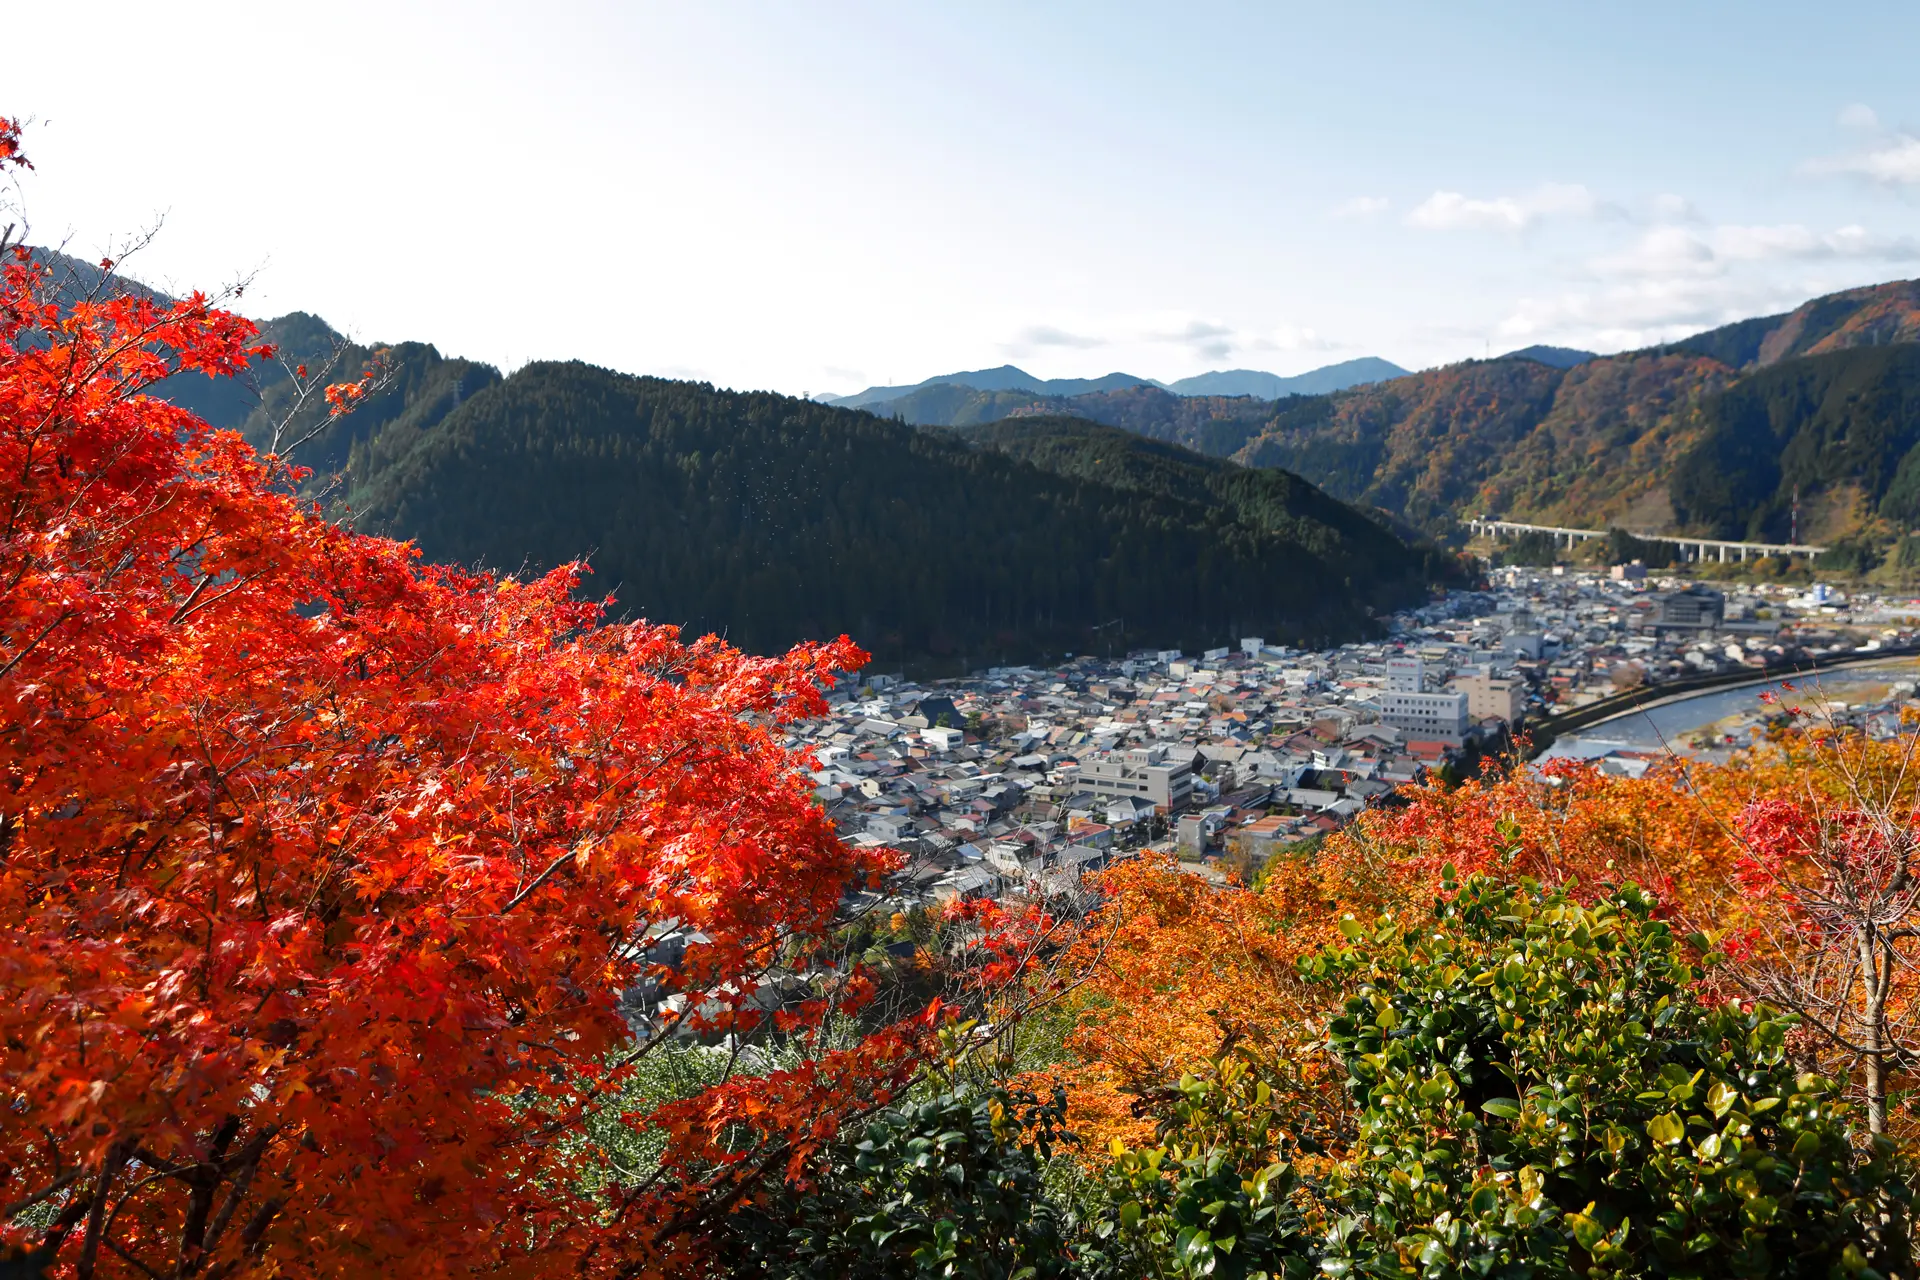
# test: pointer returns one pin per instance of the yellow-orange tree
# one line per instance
(1764, 854)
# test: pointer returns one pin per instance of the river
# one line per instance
(1704, 722)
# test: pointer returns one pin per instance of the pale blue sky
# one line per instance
(814, 198)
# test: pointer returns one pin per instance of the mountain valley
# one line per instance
(708, 506)
(1802, 424)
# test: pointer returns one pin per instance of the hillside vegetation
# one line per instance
(1712, 436)
(364, 917)
(420, 389)
(771, 519)
(1715, 435)
(1268, 499)
(712, 509)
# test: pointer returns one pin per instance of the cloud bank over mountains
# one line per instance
(1452, 211)
(1630, 277)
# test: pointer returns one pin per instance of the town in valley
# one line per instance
(1020, 781)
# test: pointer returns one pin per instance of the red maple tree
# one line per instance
(322, 870)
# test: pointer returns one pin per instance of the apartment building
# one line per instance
(1504, 697)
(1407, 706)
(1146, 773)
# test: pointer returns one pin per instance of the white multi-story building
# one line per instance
(1147, 773)
(1408, 707)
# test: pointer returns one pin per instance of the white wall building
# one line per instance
(941, 738)
(1148, 773)
(1406, 706)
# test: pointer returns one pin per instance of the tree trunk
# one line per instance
(1875, 1064)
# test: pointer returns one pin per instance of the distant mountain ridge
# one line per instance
(1272, 386)
(1806, 422)
(1004, 378)
(1231, 382)
(1713, 435)
(1558, 357)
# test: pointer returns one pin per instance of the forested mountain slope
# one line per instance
(1876, 315)
(1269, 499)
(1844, 421)
(1661, 440)
(1658, 440)
(1644, 438)
(419, 388)
(773, 519)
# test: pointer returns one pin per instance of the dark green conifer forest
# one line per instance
(771, 519)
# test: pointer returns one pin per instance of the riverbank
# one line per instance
(1652, 697)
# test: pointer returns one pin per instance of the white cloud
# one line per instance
(1859, 115)
(1289, 338)
(1642, 313)
(1662, 251)
(1680, 251)
(1894, 160)
(1855, 241)
(1207, 339)
(1360, 207)
(1452, 211)
(1668, 207)
(1040, 337)
(1212, 340)
(1676, 280)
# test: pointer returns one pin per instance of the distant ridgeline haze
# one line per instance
(985, 395)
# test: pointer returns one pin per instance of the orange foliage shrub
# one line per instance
(1190, 964)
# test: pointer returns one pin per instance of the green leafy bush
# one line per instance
(950, 1185)
(1214, 1198)
(1540, 1088)
(1543, 1090)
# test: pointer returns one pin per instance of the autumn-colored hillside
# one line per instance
(1621, 440)
(1614, 440)
(1870, 317)
(1594, 443)
(1422, 446)
(365, 917)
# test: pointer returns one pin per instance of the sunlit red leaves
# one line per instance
(1776, 832)
(331, 853)
(997, 942)
(10, 152)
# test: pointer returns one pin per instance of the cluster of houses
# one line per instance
(1021, 780)
(1597, 634)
